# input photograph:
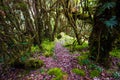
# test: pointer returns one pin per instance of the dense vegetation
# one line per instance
(90, 29)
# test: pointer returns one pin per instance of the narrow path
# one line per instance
(64, 60)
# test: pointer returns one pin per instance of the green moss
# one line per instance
(57, 72)
(115, 53)
(33, 63)
(94, 73)
(79, 72)
(80, 47)
(48, 47)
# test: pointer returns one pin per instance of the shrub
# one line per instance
(33, 63)
(78, 72)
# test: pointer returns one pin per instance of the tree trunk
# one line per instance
(101, 38)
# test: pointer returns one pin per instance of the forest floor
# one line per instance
(62, 59)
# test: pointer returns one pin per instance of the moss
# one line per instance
(78, 72)
(115, 53)
(80, 47)
(35, 49)
(94, 73)
(48, 47)
(57, 72)
(33, 63)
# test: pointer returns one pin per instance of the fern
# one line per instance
(112, 22)
(107, 5)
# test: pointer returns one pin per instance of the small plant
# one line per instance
(33, 63)
(116, 75)
(42, 71)
(57, 72)
(94, 73)
(83, 60)
(78, 72)
(93, 66)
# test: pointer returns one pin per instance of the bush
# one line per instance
(78, 72)
(33, 63)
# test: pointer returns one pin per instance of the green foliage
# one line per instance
(76, 47)
(116, 75)
(57, 72)
(80, 47)
(112, 22)
(107, 5)
(48, 47)
(94, 73)
(83, 60)
(93, 66)
(78, 71)
(42, 71)
(115, 53)
(33, 63)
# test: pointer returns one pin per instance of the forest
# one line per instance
(59, 39)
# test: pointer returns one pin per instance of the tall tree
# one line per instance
(102, 37)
